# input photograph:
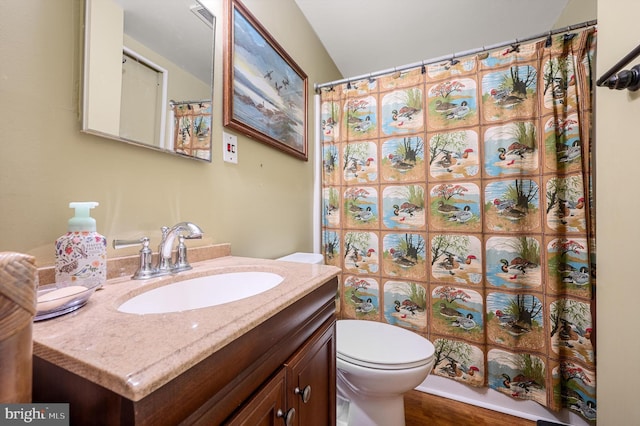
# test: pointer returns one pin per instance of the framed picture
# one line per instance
(265, 92)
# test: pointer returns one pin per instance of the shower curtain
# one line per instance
(192, 128)
(458, 202)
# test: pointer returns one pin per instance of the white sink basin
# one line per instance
(201, 292)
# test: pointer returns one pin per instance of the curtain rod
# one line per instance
(172, 102)
(602, 81)
(450, 57)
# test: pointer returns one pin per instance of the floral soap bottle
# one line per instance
(81, 254)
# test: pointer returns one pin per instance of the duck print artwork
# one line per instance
(515, 320)
(400, 79)
(568, 266)
(330, 113)
(563, 146)
(403, 207)
(513, 262)
(519, 375)
(360, 163)
(361, 207)
(455, 207)
(459, 360)
(510, 55)
(362, 297)
(577, 388)
(458, 312)
(402, 112)
(571, 327)
(565, 204)
(451, 68)
(454, 155)
(512, 205)
(404, 255)
(331, 247)
(405, 304)
(403, 159)
(360, 252)
(360, 117)
(509, 93)
(331, 207)
(511, 149)
(559, 83)
(330, 164)
(452, 103)
(456, 259)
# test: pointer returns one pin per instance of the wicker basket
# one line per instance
(17, 308)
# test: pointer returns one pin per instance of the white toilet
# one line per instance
(301, 257)
(377, 364)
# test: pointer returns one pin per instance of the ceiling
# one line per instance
(366, 36)
(173, 29)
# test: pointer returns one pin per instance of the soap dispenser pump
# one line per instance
(81, 254)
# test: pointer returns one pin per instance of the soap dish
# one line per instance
(58, 299)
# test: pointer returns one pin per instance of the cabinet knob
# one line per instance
(305, 393)
(287, 417)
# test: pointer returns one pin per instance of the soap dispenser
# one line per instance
(81, 254)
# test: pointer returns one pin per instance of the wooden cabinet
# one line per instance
(311, 381)
(302, 392)
(249, 379)
(265, 408)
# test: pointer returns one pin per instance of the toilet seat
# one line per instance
(381, 346)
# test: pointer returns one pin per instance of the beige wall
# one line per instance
(577, 11)
(617, 172)
(262, 206)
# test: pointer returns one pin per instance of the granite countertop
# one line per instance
(133, 355)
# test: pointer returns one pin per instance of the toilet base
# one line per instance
(367, 409)
(377, 412)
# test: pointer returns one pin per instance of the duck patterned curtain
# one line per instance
(458, 203)
(192, 129)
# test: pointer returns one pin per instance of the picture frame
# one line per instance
(264, 90)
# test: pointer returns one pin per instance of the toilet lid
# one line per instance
(382, 346)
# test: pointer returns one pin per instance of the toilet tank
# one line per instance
(303, 258)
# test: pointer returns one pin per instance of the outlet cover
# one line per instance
(229, 148)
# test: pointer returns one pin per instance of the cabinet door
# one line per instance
(266, 407)
(311, 379)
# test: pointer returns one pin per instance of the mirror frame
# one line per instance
(85, 92)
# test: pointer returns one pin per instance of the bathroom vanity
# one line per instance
(269, 356)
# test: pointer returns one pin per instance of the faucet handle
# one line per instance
(118, 244)
(181, 263)
(145, 270)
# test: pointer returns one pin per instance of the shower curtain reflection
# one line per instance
(192, 128)
(457, 201)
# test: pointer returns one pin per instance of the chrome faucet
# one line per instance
(166, 265)
(182, 230)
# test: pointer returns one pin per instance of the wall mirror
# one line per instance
(148, 74)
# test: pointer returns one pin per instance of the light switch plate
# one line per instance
(229, 148)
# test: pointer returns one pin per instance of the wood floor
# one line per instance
(422, 409)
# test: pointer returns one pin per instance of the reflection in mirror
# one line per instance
(148, 74)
